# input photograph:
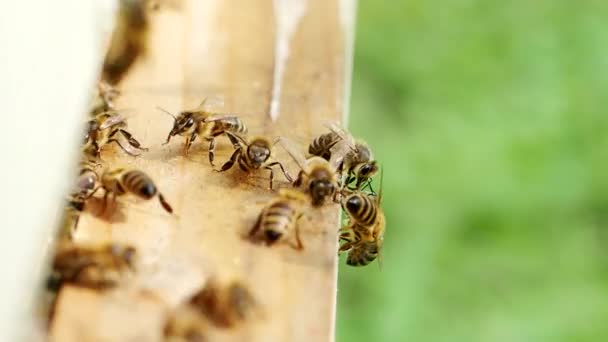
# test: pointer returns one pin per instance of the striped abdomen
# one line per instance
(230, 124)
(322, 144)
(277, 218)
(361, 208)
(139, 184)
(362, 254)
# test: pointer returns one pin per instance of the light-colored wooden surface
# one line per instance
(220, 50)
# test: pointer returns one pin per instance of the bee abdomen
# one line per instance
(139, 184)
(363, 209)
(322, 144)
(278, 216)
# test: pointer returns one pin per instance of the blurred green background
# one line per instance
(489, 118)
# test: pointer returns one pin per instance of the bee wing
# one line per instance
(342, 133)
(338, 152)
(292, 150)
(220, 117)
(112, 120)
(206, 103)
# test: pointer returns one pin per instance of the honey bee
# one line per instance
(98, 267)
(280, 216)
(192, 123)
(85, 185)
(321, 146)
(225, 305)
(186, 324)
(120, 181)
(354, 156)
(128, 42)
(317, 176)
(253, 154)
(364, 235)
(103, 130)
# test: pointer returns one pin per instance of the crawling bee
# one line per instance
(120, 181)
(317, 176)
(280, 216)
(364, 235)
(192, 123)
(98, 267)
(103, 129)
(85, 185)
(186, 324)
(225, 305)
(129, 40)
(321, 146)
(355, 157)
(253, 154)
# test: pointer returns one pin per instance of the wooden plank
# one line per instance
(220, 49)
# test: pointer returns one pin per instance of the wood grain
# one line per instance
(220, 50)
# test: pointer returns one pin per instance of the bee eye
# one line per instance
(366, 169)
(189, 122)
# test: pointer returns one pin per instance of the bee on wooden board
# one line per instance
(253, 154)
(85, 185)
(186, 324)
(280, 217)
(225, 305)
(99, 267)
(364, 235)
(129, 40)
(104, 129)
(118, 182)
(317, 176)
(340, 148)
(199, 122)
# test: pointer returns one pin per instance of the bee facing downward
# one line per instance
(317, 176)
(192, 123)
(120, 181)
(253, 154)
(364, 235)
(280, 217)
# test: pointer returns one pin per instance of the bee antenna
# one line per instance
(166, 112)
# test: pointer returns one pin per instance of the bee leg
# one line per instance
(299, 180)
(235, 155)
(122, 147)
(299, 246)
(164, 203)
(189, 142)
(211, 151)
(132, 141)
(287, 176)
(105, 201)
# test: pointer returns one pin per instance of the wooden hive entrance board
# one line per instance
(220, 49)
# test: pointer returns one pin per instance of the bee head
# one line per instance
(259, 151)
(320, 190)
(366, 171)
